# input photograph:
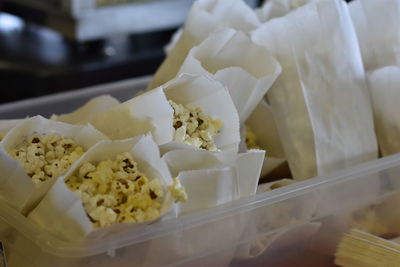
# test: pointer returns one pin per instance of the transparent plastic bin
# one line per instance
(297, 225)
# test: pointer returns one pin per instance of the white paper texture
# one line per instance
(246, 167)
(60, 202)
(263, 125)
(7, 125)
(17, 187)
(278, 8)
(206, 189)
(377, 24)
(384, 85)
(148, 112)
(215, 101)
(204, 17)
(247, 74)
(84, 114)
(320, 102)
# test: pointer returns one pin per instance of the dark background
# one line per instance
(35, 60)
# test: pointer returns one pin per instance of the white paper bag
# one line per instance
(278, 8)
(7, 125)
(320, 102)
(151, 112)
(262, 123)
(204, 17)
(247, 74)
(17, 187)
(60, 202)
(384, 85)
(206, 189)
(215, 101)
(377, 25)
(84, 114)
(148, 112)
(246, 167)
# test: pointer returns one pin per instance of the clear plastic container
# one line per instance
(297, 225)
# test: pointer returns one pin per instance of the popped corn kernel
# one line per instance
(178, 191)
(193, 127)
(115, 191)
(45, 157)
(104, 216)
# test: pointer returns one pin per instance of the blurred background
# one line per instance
(49, 46)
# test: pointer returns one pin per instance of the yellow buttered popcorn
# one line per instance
(46, 157)
(193, 127)
(115, 191)
(178, 191)
(251, 139)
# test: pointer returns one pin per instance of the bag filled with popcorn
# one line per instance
(377, 24)
(84, 114)
(320, 101)
(384, 86)
(204, 17)
(37, 151)
(204, 116)
(247, 75)
(116, 185)
(260, 132)
(190, 111)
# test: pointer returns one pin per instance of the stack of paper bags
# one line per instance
(320, 101)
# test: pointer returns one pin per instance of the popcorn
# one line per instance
(45, 157)
(251, 139)
(193, 127)
(115, 191)
(178, 191)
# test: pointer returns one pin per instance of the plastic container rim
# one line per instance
(112, 242)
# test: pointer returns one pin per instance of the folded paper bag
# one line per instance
(214, 101)
(204, 17)
(154, 112)
(247, 75)
(384, 86)
(73, 222)
(378, 32)
(7, 125)
(246, 167)
(84, 114)
(260, 131)
(320, 102)
(148, 112)
(17, 187)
